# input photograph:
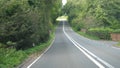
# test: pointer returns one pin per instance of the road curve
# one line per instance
(70, 50)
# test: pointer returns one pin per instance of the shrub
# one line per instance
(116, 31)
(102, 33)
(9, 58)
(77, 24)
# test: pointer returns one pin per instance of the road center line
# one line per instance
(89, 54)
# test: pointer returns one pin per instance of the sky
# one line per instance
(64, 2)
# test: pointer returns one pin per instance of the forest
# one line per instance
(94, 17)
(24, 24)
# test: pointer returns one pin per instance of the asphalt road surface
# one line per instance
(70, 50)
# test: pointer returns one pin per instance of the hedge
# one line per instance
(102, 33)
(116, 31)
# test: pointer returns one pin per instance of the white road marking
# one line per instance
(41, 54)
(85, 51)
(104, 62)
(89, 54)
(115, 47)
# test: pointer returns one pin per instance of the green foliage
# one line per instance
(40, 48)
(118, 44)
(11, 58)
(78, 26)
(22, 24)
(116, 31)
(89, 14)
(25, 22)
(88, 36)
(102, 33)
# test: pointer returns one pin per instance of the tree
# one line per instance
(95, 13)
(27, 22)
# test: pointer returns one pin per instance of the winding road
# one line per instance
(70, 50)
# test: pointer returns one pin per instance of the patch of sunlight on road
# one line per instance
(62, 18)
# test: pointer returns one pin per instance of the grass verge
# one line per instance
(88, 36)
(41, 47)
(11, 58)
(118, 45)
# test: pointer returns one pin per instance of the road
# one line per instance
(70, 50)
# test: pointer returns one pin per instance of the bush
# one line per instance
(10, 57)
(116, 31)
(102, 33)
(77, 24)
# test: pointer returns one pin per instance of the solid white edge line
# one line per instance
(41, 54)
(104, 62)
(92, 59)
(99, 59)
(115, 47)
